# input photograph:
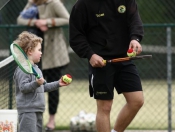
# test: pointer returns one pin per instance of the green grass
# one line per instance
(153, 114)
(75, 97)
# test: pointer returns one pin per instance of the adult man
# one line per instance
(105, 29)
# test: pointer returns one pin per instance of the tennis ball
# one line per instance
(131, 53)
(67, 78)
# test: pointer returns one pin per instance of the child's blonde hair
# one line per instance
(27, 40)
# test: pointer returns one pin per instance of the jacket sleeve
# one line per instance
(77, 32)
(61, 15)
(48, 87)
(24, 21)
(134, 21)
(25, 84)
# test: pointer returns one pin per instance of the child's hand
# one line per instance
(61, 83)
(40, 81)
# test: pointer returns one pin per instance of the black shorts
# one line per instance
(122, 76)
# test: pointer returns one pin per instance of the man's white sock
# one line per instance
(113, 130)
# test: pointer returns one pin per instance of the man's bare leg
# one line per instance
(103, 115)
(134, 101)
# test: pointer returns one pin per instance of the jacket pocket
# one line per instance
(39, 100)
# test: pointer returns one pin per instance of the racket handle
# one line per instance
(104, 61)
(44, 82)
(38, 77)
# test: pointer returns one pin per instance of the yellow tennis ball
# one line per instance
(131, 53)
(67, 78)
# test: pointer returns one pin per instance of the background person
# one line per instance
(52, 13)
(32, 13)
(106, 29)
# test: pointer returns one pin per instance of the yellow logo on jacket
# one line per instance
(100, 15)
(121, 9)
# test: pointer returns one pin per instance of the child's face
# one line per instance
(36, 53)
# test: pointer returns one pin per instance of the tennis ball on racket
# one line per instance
(67, 78)
(131, 53)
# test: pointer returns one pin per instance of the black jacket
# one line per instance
(104, 27)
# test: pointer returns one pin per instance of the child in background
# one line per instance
(30, 90)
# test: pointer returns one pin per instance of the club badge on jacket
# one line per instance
(121, 9)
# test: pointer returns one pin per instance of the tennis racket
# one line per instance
(22, 60)
(128, 58)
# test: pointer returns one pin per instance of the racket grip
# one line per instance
(104, 61)
(44, 82)
(38, 77)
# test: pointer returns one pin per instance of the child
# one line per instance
(30, 90)
(51, 13)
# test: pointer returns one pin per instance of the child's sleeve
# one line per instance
(26, 83)
(48, 87)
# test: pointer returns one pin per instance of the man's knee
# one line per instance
(140, 103)
(104, 106)
(137, 103)
(135, 99)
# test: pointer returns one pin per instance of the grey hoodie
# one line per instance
(30, 96)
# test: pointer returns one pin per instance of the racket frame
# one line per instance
(32, 70)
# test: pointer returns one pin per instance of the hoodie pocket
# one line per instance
(39, 100)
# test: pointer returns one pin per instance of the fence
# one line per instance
(151, 11)
(157, 77)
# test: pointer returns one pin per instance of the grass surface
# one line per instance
(75, 97)
(153, 114)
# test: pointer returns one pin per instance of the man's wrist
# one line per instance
(136, 38)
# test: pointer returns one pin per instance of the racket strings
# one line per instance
(22, 59)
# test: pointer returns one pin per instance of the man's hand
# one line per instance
(135, 45)
(96, 61)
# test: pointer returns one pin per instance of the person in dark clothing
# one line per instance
(106, 29)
